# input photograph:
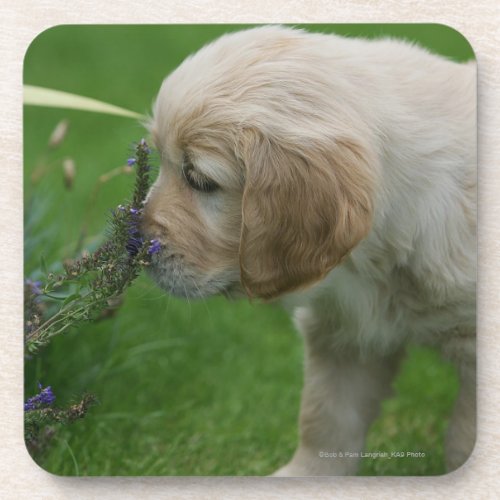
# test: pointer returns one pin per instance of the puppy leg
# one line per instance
(461, 434)
(340, 399)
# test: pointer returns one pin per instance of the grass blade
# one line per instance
(40, 96)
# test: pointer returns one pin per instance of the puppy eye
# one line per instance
(197, 181)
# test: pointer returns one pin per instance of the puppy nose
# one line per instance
(148, 227)
(144, 226)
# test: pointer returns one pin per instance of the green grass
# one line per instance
(180, 391)
(206, 387)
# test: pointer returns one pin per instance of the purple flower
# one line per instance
(34, 286)
(133, 245)
(135, 241)
(144, 144)
(44, 398)
(154, 247)
(131, 162)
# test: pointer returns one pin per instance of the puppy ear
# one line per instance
(304, 209)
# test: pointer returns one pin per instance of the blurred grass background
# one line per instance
(185, 388)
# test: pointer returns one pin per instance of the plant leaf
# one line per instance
(71, 298)
(40, 96)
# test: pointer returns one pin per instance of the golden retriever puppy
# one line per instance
(336, 176)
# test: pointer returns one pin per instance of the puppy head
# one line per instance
(266, 182)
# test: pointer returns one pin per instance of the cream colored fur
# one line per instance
(347, 191)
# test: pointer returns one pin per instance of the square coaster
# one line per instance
(195, 195)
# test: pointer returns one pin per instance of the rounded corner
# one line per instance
(30, 456)
(37, 464)
(460, 467)
(462, 36)
(36, 39)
